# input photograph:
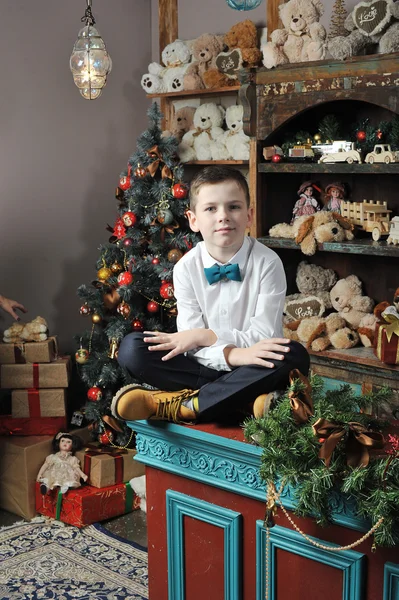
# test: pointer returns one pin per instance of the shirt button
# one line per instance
(223, 311)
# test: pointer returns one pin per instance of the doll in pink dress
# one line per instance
(307, 203)
(62, 469)
(334, 194)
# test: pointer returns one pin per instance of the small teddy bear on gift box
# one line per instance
(35, 331)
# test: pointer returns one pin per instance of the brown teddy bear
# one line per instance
(242, 38)
(308, 231)
(204, 51)
(181, 123)
(35, 331)
(320, 333)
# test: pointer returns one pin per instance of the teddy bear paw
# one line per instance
(177, 84)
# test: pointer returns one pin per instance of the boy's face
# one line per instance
(222, 216)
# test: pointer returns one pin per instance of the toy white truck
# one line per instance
(394, 232)
(382, 153)
(342, 152)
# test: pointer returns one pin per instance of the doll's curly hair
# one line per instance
(77, 442)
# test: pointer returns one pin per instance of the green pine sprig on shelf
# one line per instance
(291, 454)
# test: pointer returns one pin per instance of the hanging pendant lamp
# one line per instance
(90, 62)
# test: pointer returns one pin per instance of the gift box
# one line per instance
(387, 343)
(32, 425)
(29, 352)
(109, 466)
(87, 504)
(20, 462)
(37, 375)
(38, 403)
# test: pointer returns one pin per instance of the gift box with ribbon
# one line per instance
(38, 403)
(387, 337)
(29, 352)
(108, 466)
(37, 375)
(31, 425)
(87, 504)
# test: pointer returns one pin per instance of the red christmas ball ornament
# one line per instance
(379, 135)
(152, 307)
(179, 191)
(106, 438)
(155, 260)
(82, 356)
(123, 309)
(129, 218)
(127, 242)
(322, 440)
(94, 394)
(125, 278)
(124, 182)
(166, 290)
(85, 310)
(361, 135)
(140, 171)
(137, 325)
(276, 158)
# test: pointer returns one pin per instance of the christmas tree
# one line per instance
(133, 289)
(338, 16)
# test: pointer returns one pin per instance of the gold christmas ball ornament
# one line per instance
(317, 138)
(174, 255)
(116, 267)
(104, 273)
(140, 171)
(96, 318)
(82, 356)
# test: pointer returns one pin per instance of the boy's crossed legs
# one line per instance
(213, 394)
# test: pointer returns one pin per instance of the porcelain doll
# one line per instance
(307, 203)
(334, 194)
(62, 469)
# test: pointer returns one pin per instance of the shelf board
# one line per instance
(206, 92)
(361, 246)
(335, 168)
(217, 162)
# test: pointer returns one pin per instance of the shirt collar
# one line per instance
(239, 257)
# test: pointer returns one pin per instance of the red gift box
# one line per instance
(386, 344)
(32, 425)
(87, 504)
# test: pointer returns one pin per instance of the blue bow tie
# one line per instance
(218, 272)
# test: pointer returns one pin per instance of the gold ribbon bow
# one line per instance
(301, 402)
(153, 167)
(359, 441)
(198, 132)
(393, 325)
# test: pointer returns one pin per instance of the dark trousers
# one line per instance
(220, 391)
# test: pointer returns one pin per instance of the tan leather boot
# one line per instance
(134, 402)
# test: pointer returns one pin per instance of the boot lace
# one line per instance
(168, 409)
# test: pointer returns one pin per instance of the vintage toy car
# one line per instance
(382, 153)
(345, 153)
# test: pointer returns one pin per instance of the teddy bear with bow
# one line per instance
(197, 143)
(234, 143)
(302, 39)
(169, 76)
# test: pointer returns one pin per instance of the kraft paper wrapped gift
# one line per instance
(37, 375)
(20, 461)
(386, 339)
(38, 403)
(29, 352)
(106, 467)
(87, 504)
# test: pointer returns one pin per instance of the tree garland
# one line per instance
(295, 452)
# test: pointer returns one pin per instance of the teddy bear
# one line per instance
(182, 122)
(34, 331)
(313, 282)
(243, 52)
(308, 231)
(196, 143)
(204, 50)
(234, 143)
(372, 28)
(169, 76)
(320, 333)
(348, 300)
(303, 37)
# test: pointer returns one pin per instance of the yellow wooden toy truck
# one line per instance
(368, 215)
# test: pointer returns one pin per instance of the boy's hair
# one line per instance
(214, 175)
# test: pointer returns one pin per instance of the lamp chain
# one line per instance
(88, 16)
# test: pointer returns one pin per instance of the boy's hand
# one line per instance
(179, 342)
(9, 305)
(258, 354)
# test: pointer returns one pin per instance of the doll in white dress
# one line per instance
(307, 203)
(62, 469)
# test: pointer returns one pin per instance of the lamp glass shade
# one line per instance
(90, 63)
(243, 4)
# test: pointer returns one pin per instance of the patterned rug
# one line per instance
(47, 559)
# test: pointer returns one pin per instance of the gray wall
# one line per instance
(61, 155)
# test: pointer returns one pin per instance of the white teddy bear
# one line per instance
(168, 78)
(196, 143)
(303, 37)
(234, 144)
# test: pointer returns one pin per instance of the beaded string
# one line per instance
(116, 445)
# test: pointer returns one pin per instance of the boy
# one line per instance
(230, 292)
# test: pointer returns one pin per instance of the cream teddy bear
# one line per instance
(35, 331)
(303, 37)
(169, 76)
(348, 300)
(196, 143)
(234, 144)
(205, 50)
(320, 333)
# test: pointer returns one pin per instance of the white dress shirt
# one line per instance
(240, 313)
